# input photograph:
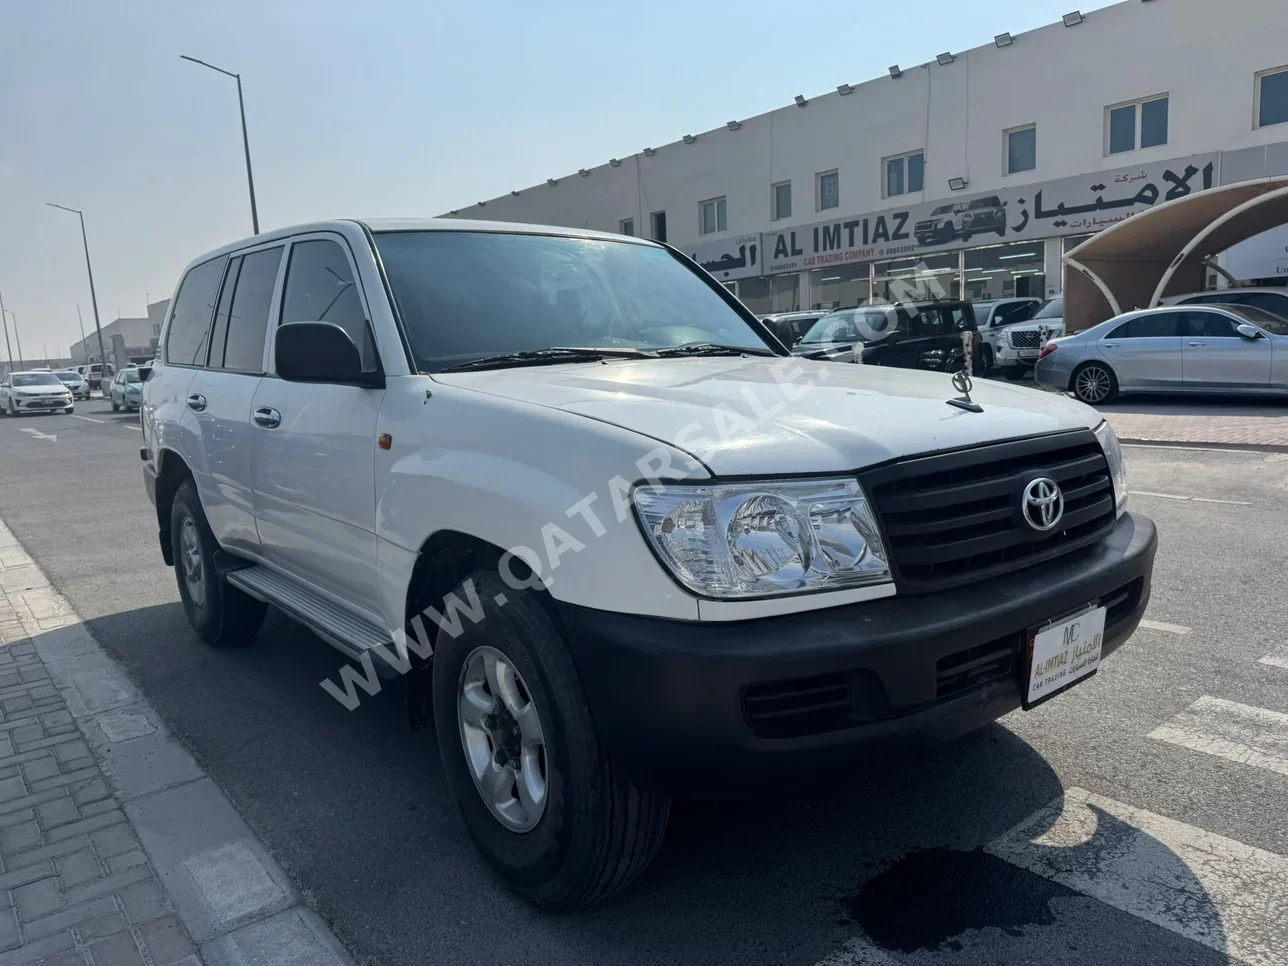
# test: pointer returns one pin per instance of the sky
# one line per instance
(376, 108)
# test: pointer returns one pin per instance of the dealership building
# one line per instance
(968, 176)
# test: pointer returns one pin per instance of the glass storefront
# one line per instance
(840, 288)
(775, 293)
(1003, 271)
(914, 279)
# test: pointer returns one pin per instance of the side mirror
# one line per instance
(320, 352)
(1249, 331)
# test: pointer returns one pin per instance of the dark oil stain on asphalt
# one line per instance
(927, 897)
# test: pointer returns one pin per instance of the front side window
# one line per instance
(781, 198)
(320, 288)
(712, 216)
(1272, 97)
(829, 190)
(1142, 123)
(1022, 149)
(190, 318)
(905, 174)
(464, 296)
(1210, 325)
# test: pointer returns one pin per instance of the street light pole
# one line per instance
(81, 322)
(8, 348)
(16, 337)
(241, 104)
(102, 354)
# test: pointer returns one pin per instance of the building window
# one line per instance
(829, 190)
(658, 220)
(775, 293)
(1140, 123)
(1272, 97)
(904, 174)
(626, 226)
(1021, 149)
(780, 199)
(713, 216)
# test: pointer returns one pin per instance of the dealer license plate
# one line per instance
(1062, 653)
(1028, 353)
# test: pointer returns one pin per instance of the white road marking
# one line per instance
(37, 434)
(1226, 895)
(1164, 626)
(88, 419)
(137, 429)
(1236, 732)
(1187, 499)
(1277, 657)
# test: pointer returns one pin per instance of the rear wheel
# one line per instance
(543, 802)
(1014, 373)
(115, 407)
(221, 615)
(1094, 383)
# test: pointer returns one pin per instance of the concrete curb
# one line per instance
(233, 900)
(1205, 444)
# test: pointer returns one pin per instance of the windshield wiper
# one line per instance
(552, 356)
(714, 349)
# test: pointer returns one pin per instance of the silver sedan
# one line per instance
(1209, 348)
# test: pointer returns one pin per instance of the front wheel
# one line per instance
(115, 407)
(1094, 384)
(540, 797)
(221, 615)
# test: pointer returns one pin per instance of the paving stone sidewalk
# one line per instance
(1259, 432)
(116, 849)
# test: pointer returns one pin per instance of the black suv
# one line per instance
(927, 335)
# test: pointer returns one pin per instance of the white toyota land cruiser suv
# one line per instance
(615, 542)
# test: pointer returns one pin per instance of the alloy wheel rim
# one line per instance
(194, 572)
(501, 734)
(1093, 384)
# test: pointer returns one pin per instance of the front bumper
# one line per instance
(707, 709)
(41, 405)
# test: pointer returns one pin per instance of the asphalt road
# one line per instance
(875, 865)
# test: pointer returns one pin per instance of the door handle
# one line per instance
(1198, 345)
(197, 402)
(1111, 345)
(268, 418)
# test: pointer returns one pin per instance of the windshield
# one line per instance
(35, 379)
(130, 375)
(1266, 320)
(1051, 309)
(847, 325)
(942, 210)
(470, 295)
(69, 377)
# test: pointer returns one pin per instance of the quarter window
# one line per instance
(248, 321)
(190, 318)
(1272, 97)
(320, 288)
(713, 216)
(781, 198)
(905, 174)
(829, 190)
(1141, 123)
(1022, 149)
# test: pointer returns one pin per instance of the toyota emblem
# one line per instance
(1042, 504)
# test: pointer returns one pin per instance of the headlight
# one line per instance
(764, 539)
(1117, 467)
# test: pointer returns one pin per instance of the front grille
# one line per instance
(1025, 340)
(976, 666)
(956, 518)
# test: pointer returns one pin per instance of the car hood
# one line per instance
(737, 416)
(38, 390)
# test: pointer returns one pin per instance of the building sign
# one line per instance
(1048, 209)
(729, 258)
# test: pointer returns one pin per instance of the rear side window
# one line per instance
(190, 320)
(320, 288)
(248, 318)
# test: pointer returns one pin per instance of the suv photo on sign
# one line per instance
(617, 546)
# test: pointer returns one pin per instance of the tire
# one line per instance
(594, 832)
(987, 359)
(115, 407)
(223, 616)
(1014, 373)
(1094, 384)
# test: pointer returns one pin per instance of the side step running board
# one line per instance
(336, 626)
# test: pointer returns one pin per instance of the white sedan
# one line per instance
(30, 392)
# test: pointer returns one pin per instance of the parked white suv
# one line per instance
(993, 316)
(1019, 346)
(621, 547)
